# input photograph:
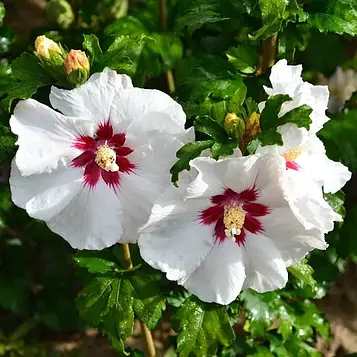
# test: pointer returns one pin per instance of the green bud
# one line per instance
(234, 126)
(60, 13)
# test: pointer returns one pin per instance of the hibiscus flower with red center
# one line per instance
(227, 229)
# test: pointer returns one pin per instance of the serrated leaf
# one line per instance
(208, 126)
(188, 152)
(91, 44)
(111, 302)
(303, 271)
(199, 13)
(201, 328)
(299, 116)
(334, 16)
(26, 68)
(244, 58)
(269, 117)
(94, 264)
(222, 149)
(337, 202)
(272, 15)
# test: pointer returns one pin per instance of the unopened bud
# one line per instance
(44, 46)
(60, 13)
(77, 67)
(234, 125)
(253, 125)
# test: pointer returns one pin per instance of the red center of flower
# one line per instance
(104, 156)
(235, 213)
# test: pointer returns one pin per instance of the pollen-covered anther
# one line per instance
(105, 158)
(293, 154)
(233, 219)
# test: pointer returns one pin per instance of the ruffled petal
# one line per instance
(45, 137)
(91, 220)
(142, 113)
(92, 100)
(264, 267)
(220, 276)
(173, 240)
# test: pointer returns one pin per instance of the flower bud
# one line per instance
(44, 46)
(234, 125)
(77, 67)
(252, 127)
(60, 13)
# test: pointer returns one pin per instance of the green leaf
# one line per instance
(207, 125)
(299, 116)
(201, 328)
(339, 138)
(199, 13)
(111, 302)
(272, 16)
(91, 44)
(188, 152)
(337, 202)
(222, 149)
(116, 56)
(7, 144)
(334, 16)
(94, 263)
(269, 118)
(2, 12)
(243, 57)
(303, 271)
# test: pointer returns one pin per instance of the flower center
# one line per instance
(233, 219)
(105, 158)
(293, 154)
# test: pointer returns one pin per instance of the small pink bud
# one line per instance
(75, 60)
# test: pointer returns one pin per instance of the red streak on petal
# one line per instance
(250, 194)
(125, 165)
(252, 225)
(83, 159)
(211, 214)
(123, 150)
(292, 165)
(255, 209)
(91, 174)
(117, 140)
(85, 143)
(219, 230)
(240, 239)
(105, 131)
(112, 179)
(218, 199)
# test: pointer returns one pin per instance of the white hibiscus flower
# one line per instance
(287, 79)
(94, 171)
(342, 84)
(228, 229)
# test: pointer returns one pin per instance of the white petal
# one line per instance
(284, 78)
(307, 203)
(289, 236)
(142, 113)
(220, 276)
(45, 137)
(140, 189)
(173, 240)
(93, 100)
(92, 220)
(264, 266)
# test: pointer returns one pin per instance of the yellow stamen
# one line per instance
(293, 154)
(233, 219)
(105, 158)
